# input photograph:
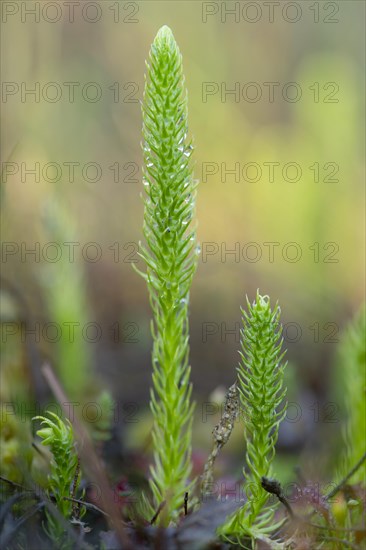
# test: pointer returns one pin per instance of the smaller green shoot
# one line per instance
(260, 384)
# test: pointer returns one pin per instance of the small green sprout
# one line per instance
(64, 476)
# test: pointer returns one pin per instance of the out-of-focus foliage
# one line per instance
(15, 445)
(101, 429)
(352, 378)
(66, 297)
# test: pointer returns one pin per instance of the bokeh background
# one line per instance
(319, 47)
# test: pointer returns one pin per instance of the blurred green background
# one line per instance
(322, 210)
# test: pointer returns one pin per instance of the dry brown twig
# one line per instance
(221, 433)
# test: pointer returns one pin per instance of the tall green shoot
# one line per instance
(170, 257)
